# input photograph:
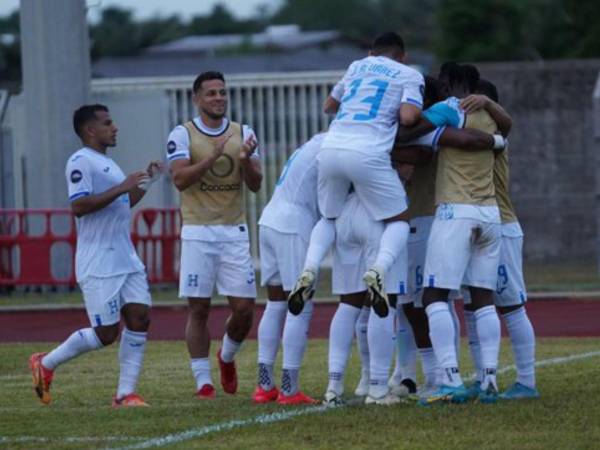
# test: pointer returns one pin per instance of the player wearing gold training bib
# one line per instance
(212, 161)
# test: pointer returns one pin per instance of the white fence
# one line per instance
(284, 109)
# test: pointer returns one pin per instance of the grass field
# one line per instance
(540, 278)
(80, 417)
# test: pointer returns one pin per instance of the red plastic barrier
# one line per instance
(26, 243)
(28, 238)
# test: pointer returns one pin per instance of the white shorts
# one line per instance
(281, 257)
(510, 288)
(376, 183)
(420, 228)
(351, 260)
(227, 264)
(462, 249)
(104, 297)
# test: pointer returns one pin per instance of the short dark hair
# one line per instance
(433, 91)
(205, 76)
(471, 75)
(85, 114)
(387, 41)
(488, 89)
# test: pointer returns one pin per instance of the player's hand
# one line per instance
(220, 143)
(474, 102)
(155, 169)
(248, 148)
(133, 179)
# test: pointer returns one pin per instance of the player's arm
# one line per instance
(153, 172)
(333, 101)
(250, 163)
(184, 173)
(476, 102)
(470, 139)
(412, 100)
(415, 155)
(91, 203)
(421, 128)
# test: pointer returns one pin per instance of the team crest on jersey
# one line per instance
(222, 167)
(76, 176)
(171, 147)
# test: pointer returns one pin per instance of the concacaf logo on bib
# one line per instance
(222, 167)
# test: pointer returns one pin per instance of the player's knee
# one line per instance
(199, 311)
(107, 334)
(244, 312)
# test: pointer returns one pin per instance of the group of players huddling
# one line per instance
(409, 190)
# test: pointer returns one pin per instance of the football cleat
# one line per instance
(386, 400)
(519, 391)
(206, 392)
(129, 401)
(302, 291)
(373, 278)
(262, 396)
(333, 399)
(299, 398)
(489, 395)
(426, 391)
(473, 390)
(363, 387)
(42, 377)
(229, 380)
(405, 389)
(446, 394)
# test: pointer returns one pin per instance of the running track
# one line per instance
(551, 317)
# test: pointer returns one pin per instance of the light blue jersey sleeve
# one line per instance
(446, 113)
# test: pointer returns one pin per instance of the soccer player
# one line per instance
(108, 270)
(375, 95)
(212, 160)
(464, 243)
(357, 241)
(284, 231)
(510, 295)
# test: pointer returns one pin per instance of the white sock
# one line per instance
(393, 240)
(82, 341)
(380, 335)
(201, 371)
(441, 333)
(269, 335)
(430, 366)
(229, 349)
(474, 347)
(407, 348)
(452, 309)
(488, 330)
(361, 340)
(322, 238)
(295, 337)
(522, 339)
(131, 358)
(340, 344)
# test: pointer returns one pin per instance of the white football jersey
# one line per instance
(370, 95)
(293, 207)
(104, 246)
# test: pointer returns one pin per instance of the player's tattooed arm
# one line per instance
(184, 173)
(476, 102)
(469, 139)
(92, 203)
(250, 167)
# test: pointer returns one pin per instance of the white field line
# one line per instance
(286, 415)
(71, 439)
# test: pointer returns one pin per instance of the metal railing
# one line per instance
(284, 109)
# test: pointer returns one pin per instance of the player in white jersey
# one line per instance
(510, 295)
(356, 246)
(375, 95)
(213, 161)
(108, 270)
(284, 231)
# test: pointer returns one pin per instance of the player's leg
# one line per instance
(136, 313)
(473, 340)
(341, 334)
(197, 275)
(273, 318)
(362, 343)
(102, 305)
(445, 263)
(510, 298)
(384, 197)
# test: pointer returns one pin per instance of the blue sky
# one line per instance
(147, 8)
